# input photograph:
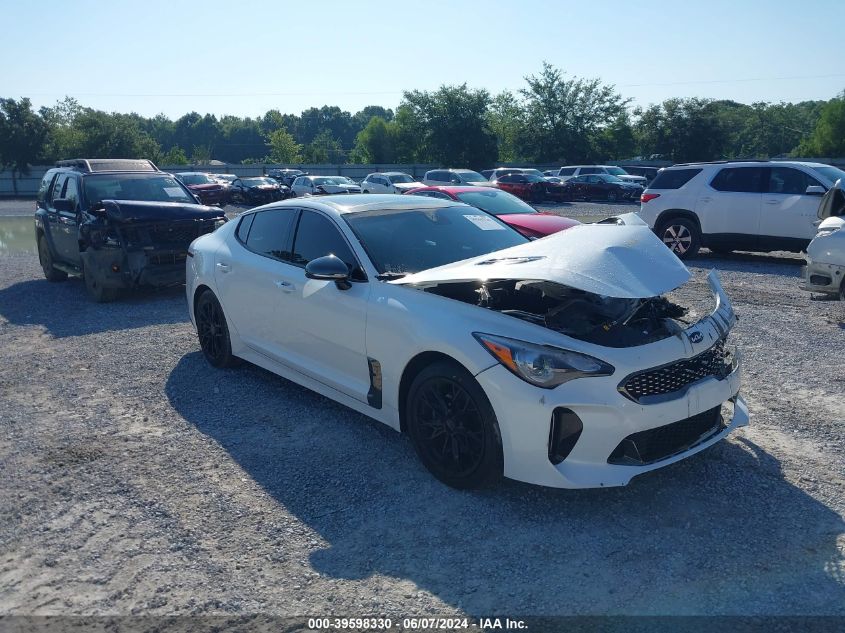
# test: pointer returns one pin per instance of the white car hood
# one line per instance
(624, 260)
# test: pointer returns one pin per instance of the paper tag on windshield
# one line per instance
(174, 192)
(485, 222)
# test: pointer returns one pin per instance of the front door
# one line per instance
(789, 214)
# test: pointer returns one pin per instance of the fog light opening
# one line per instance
(565, 430)
(115, 268)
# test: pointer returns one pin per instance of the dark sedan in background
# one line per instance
(509, 209)
(257, 190)
(208, 190)
(602, 187)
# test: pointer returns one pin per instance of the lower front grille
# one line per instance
(662, 383)
(646, 447)
(177, 234)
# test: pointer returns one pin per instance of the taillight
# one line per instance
(645, 197)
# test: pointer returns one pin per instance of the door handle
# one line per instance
(771, 201)
(223, 268)
(706, 199)
(285, 286)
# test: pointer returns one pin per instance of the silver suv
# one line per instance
(737, 205)
(570, 171)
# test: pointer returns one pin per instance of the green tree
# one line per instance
(683, 130)
(564, 116)
(64, 137)
(174, 156)
(283, 147)
(506, 118)
(112, 135)
(23, 135)
(324, 148)
(376, 143)
(449, 126)
(828, 137)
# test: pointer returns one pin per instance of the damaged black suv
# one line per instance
(117, 223)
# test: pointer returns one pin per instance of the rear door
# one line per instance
(249, 271)
(788, 213)
(728, 207)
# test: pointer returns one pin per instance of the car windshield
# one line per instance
(410, 240)
(400, 178)
(332, 180)
(140, 187)
(617, 171)
(471, 176)
(609, 178)
(257, 182)
(533, 178)
(495, 202)
(195, 179)
(831, 173)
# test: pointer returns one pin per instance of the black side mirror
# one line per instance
(329, 268)
(64, 204)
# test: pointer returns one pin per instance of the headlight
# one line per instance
(541, 365)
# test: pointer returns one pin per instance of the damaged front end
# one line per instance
(130, 244)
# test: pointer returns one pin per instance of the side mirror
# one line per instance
(64, 204)
(329, 268)
(815, 190)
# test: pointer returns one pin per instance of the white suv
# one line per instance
(570, 171)
(737, 205)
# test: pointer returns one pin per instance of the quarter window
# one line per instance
(738, 179)
(317, 236)
(270, 233)
(566, 171)
(243, 227)
(58, 186)
(673, 178)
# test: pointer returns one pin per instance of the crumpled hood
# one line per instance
(134, 211)
(623, 260)
(407, 186)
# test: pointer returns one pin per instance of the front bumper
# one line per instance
(823, 278)
(525, 413)
(116, 268)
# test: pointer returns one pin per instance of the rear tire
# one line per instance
(213, 332)
(681, 236)
(46, 259)
(453, 427)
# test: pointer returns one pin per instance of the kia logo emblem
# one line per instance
(696, 336)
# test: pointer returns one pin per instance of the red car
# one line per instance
(532, 187)
(509, 209)
(207, 190)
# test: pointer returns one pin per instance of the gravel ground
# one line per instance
(137, 479)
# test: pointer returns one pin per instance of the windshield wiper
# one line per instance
(390, 274)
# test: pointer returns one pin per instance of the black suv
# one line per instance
(118, 224)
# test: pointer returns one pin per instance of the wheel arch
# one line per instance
(197, 294)
(412, 369)
(668, 214)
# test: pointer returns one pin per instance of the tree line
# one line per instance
(553, 118)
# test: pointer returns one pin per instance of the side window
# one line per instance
(590, 170)
(270, 233)
(243, 227)
(44, 187)
(317, 236)
(673, 178)
(520, 179)
(505, 179)
(61, 179)
(566, 171)
(71, 191)
(236, 182)
(738, 179)
(786, 180)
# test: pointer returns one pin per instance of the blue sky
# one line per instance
(247, 57)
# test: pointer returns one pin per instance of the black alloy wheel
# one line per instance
(453, 427)
(612, 196)
(213, 332)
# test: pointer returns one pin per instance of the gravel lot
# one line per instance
(138, 479)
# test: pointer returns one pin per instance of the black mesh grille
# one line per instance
(653, 445)
(670, 379)
(166, 234)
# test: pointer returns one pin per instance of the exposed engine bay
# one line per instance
(607, 321)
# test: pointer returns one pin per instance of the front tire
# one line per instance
(453, 427)
(681, 236)
(46, 259)
(612, 196)
(95, 289)
(212, 331)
